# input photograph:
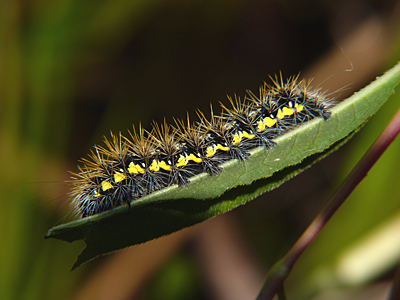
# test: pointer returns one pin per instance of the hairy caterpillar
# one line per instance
(127, 168)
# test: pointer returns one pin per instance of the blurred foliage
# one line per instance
(72, 70)
(374, 201)
(178, 279)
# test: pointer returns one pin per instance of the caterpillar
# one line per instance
(128, 168)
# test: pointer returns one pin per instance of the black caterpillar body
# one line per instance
(126, 169)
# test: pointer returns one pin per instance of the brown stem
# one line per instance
(282, 268)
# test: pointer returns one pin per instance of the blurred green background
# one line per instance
(71, 71)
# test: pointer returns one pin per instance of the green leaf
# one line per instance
(174, 208)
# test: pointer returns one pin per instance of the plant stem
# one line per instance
(281, 270)
(394, 292)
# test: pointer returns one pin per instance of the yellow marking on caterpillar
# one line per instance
(280, 114)
(210, 151)
(299, 107)
(260, 126)
(269, 122)
(164, 166)
(118, 177)
(247, 135)
(237, 138)
(213, 149)
(220, 147)
(182, 161)
(135, 169)
(155, 167)
(288, 111)
(105, 185)
(193, 158)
